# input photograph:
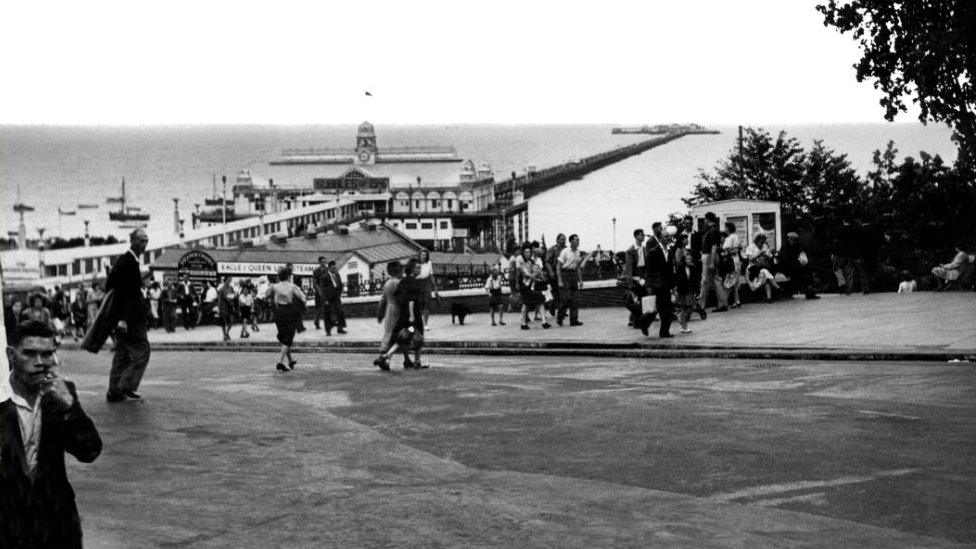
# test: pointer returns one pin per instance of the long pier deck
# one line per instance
(536, 182)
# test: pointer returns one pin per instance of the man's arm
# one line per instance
(78, 433)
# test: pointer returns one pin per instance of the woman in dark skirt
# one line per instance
(289, 302)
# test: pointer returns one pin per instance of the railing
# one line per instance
(475, 277)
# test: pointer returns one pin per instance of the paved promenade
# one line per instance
(928, 326)
(542, 452)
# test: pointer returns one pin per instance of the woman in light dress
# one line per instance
(426, 275)
(289, 302)
(732, 247)
(388, 312)
(760, 261)
(950, 271)
(495, 299)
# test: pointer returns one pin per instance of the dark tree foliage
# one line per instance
(923, 49)
(924, 206)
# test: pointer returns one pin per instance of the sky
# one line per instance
(427, 62)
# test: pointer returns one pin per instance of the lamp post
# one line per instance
(614, 234)
(223, 199)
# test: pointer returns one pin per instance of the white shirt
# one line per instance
(570, 259)
(493, 283)
(426, 269)
(640, 255)
(907, 287)
(139, 261)
(29, 418)
(211, 295)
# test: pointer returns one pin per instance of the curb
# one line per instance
(587, 349)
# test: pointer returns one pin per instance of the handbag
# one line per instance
(648, 304)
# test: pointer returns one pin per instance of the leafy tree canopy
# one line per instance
(923, 49)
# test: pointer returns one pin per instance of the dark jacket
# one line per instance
(658, 269)
(631, 270)
(126, 280)
(42, 513)
(329, 289)
(317, 275)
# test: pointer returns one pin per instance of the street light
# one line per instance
(615, 234)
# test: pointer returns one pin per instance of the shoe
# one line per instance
(328, 333)
(525, 326)
(382, 364)
(281, 367)
(577, 323)
(663, 336)
(559, 321)
(340, 331)
(494, 324)
(421, 366)
(114, 397)
(291, 364)
(546, 325)
(408, 364)
(703, 314)
(686, 330)
(813, 296)
(720, 310)
(131, 394)
(500, 323)
(735, 305)
(643, 328)
(316, 325)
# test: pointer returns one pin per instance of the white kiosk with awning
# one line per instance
(751, 217)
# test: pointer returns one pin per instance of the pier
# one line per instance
(536, 182)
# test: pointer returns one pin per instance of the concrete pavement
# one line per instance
(545, 451)
(920, 326)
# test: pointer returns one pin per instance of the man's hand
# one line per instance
(55, 386)
(123, 326)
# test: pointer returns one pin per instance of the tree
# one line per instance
(768, 169)
(925, 49)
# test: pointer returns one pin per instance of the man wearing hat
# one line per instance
(792, 261)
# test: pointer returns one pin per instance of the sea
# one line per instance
(56, 169)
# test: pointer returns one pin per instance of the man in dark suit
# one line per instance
(317, 275)
(659, 279)
(634, 266)
(40, 420)
(132, 345)
(331, 290)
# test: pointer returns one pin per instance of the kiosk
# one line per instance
(751, 217)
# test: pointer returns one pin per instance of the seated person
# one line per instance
(760, 262)
(907, 284)
(951, 271)
(792, 261)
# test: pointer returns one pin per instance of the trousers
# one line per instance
(130, 359)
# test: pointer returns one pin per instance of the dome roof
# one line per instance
(366, 129)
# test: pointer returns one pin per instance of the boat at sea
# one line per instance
(87, 206)
(126, 213)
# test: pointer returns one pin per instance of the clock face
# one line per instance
(364, 156)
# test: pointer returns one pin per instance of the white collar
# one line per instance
(139, 261)
(7, 392)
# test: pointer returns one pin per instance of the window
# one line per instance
(434, 203)
(426, 225)
(443, 224)
(352, 265)
(89, 265)
(450, 203)
(410, 225)
(50, 270)
(416, 204)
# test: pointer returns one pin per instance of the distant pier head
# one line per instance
(661, 129)
(366, 152)
(535, 182)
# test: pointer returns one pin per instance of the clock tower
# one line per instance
(366, 144)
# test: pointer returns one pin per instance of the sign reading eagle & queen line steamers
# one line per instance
(197, 266)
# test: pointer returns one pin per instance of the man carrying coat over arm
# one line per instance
(132, 344)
